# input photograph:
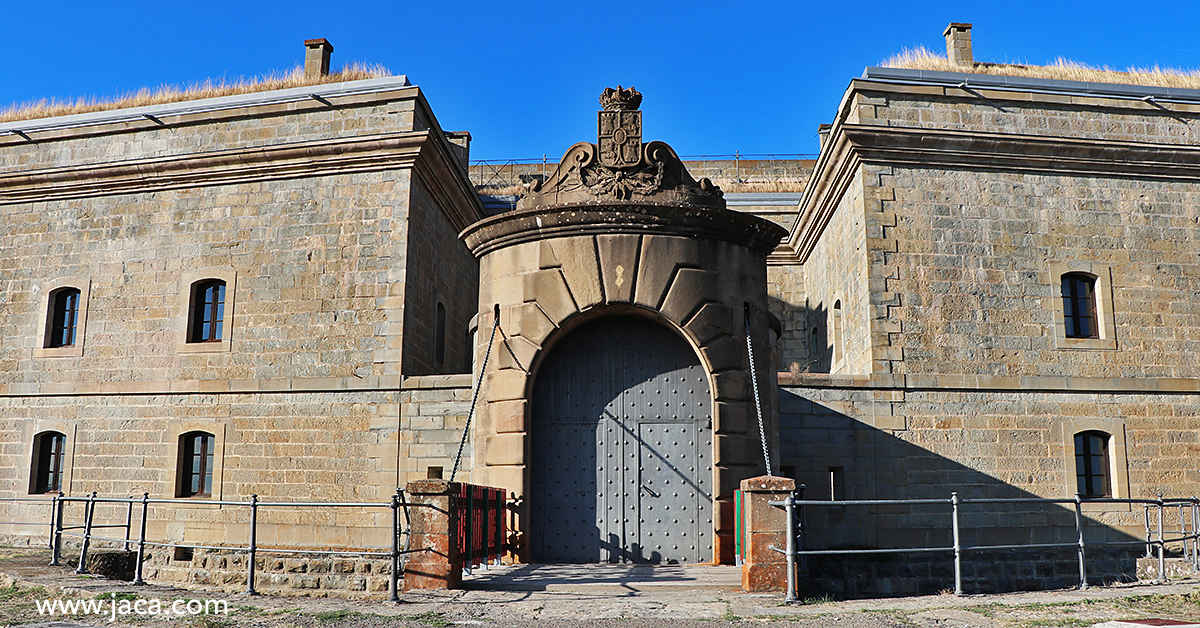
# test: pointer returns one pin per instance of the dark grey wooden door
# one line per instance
(621, 448)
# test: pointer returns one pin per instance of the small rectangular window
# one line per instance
(208, 311)
(49, 450)
(1079, 305)
(64, 318)
(196, 464)
(837, 483)
(1091, 464)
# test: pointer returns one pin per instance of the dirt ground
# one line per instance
(28, 587)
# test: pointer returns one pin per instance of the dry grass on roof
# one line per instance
(921, 58)
(171, 93)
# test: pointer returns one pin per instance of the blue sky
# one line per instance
(523, 78)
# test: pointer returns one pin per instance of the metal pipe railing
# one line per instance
(251, 549)
(1156, 536)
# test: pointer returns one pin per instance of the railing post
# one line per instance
(253, 545)
(1149, 536)
(53, 509)
(90, 508)
(1195, 533)
(141, 554)
(394, 583)
(790, 504)
(468, 511)
(1162, 561)
(1079, 535)
(958, 588)
(56, 546)
(128, 520)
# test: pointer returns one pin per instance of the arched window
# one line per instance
(62, 320)
(195, 476)
(1091, 464)
(1079, 305)
(207, 311)
(48, 456)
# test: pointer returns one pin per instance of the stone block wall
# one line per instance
(348, 576)
(307, 260)
(433, 413)
(836, 273)
(312, 446)
(310, 212)
(439, 269)
(980, 261)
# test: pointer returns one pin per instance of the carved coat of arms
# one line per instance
(620, 128)
(620, 138)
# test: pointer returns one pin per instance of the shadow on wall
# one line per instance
(805, 345)
(837, 456)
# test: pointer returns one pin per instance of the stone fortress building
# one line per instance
(989, 285)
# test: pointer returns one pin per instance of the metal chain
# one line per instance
(762, 432)
(504, 338)
(475, 397)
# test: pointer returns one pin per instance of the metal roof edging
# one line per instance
(205, 105)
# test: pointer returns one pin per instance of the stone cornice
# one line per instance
(422, 150)
(855, 144)
(357, 154)
(541, 223)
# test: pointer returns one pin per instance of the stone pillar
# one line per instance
(765, 527)
(434, 530)
(958, 44)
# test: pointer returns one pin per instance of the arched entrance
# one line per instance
(621, 439)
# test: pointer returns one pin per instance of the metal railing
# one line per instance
(1156, 536)
(481, 526)
(52, 503)
(398, 506)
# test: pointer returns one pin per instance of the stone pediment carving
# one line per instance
(619, 168)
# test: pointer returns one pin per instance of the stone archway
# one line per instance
(621, 227)
(621, 448)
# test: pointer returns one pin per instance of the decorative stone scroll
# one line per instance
(619, 168)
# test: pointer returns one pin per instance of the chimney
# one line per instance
(958, 44)
(316, 58)
(823, 135)
(460, 143)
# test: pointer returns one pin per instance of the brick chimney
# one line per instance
(316, 57)
(958, 44)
